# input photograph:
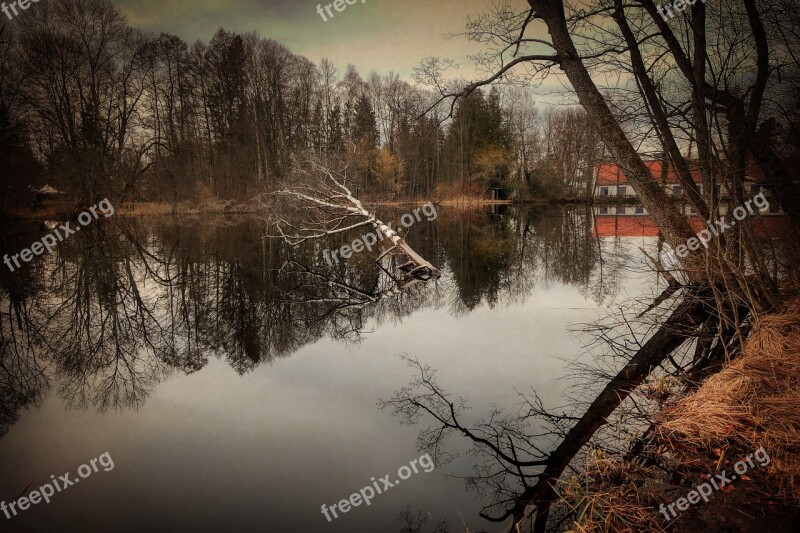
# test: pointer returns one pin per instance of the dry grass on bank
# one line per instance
(58, 210)
(754, 402)
(141, 209)
(471, 202)
(612, 496)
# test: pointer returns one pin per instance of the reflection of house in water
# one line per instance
(633, 221)
(611, 182)
(622, 225)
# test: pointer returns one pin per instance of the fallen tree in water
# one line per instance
(319, 205)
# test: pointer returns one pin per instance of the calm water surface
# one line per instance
(236, 393)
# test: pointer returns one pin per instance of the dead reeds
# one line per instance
(612, 496)
(753, 402)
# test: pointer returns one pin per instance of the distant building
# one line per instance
(498, 193)
(638, 210)
(631, 219)
(612, 183)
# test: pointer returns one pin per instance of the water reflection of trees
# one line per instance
(120, 306)
(22, 377)
(500, 259)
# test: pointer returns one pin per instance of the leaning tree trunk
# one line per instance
(674, 225)
(326, 194)
(422, 267)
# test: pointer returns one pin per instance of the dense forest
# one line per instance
(97, 108)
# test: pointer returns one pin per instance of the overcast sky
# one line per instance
(382, 35)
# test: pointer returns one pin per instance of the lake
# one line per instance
(236, 388)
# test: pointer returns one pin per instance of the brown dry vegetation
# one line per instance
(471, 202)
(611, 495)
(57, 210)
(184, 208)
(753, 402)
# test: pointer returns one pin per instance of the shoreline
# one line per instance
(65, 210)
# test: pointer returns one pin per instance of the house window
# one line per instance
(603, 191)
(755, 189)
(603, 210)
(639, 209)
(677, 190)
(622, 191)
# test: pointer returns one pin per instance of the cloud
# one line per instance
(380, 34)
